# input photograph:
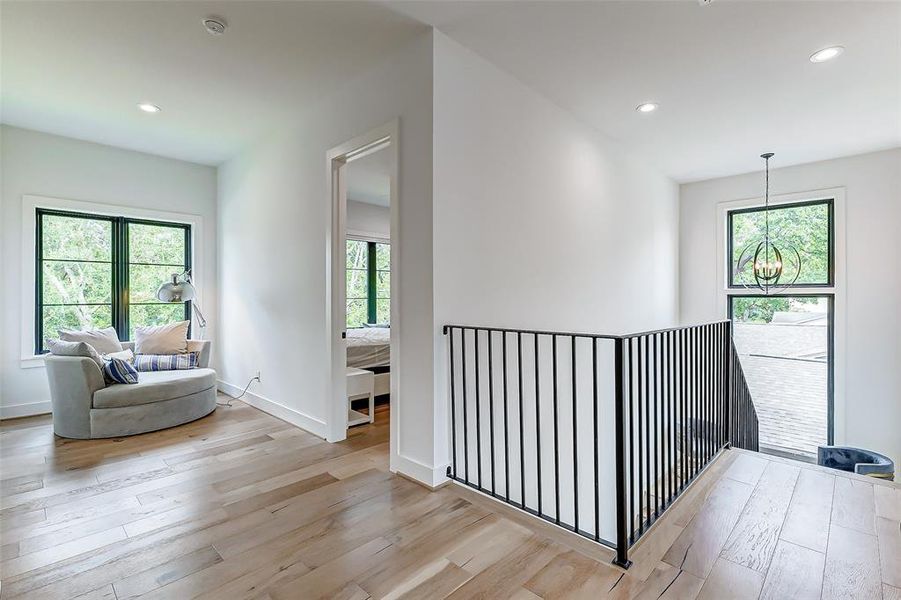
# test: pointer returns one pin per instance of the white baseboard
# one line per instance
(315, 426)
(429, 476)
(25, 410)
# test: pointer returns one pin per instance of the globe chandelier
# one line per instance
(769, 256)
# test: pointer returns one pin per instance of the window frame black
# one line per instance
(730, 248)
(119, 263)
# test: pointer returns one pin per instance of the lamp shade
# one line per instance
(177, 290)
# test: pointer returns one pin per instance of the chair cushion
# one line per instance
(154, 387)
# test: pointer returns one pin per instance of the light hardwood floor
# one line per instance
(242, 505)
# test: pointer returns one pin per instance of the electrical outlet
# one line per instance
(258, 378)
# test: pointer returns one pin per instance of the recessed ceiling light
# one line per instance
(647, 107)
(826, 54)
(215, 25)
(149, 108)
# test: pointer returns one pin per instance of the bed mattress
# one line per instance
(368, 347)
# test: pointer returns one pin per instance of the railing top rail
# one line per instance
(605, 336)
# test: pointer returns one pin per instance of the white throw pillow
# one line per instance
(171, 338)
(64, 348)
(127, 355)
(103, 341)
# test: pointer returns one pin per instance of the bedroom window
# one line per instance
(95, 271)
(368, 283)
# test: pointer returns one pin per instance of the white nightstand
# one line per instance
(360, 384)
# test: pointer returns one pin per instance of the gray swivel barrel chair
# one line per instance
(85, 407)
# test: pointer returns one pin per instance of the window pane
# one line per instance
(383, 311)
(356, 313)
(77, 283)
(783, 346)
(75, 317)
(357, 284)
(145, 280)
(74, 238)
(804, 227)
(156, 244)
(142, 315)
(383, 284)
(383, 257)
(356, 254)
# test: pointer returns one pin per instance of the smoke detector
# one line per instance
(215, 25)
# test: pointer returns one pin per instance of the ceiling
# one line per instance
(732, 78)
(79, 69)
(369, 178)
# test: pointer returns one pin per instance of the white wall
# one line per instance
(39, 164)
(541, 222)
(365, 218)
(274, 217)
(872, 333)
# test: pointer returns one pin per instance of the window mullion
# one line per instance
(371, 287)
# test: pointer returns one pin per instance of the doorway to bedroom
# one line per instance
(368, 288)
(364, 311)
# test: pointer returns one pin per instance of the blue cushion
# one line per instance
(165, 362)
(119, 371)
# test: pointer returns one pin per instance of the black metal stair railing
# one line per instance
(595, 433)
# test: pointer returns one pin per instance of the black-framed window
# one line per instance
(808, 226)
(94, 271)
(368, 281)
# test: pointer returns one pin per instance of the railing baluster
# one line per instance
(506, 418)
(491, 410)
(538, 422)
(622, 544)
(465, 419)
(575, 407)
(522, 443)
(478, 413)
(596, 442)
(453, 399)
(556, 433)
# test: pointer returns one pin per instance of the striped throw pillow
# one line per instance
(119, 371)
(165, 362)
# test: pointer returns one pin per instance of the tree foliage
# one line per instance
(77, 273)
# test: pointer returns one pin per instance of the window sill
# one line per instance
(32, 362)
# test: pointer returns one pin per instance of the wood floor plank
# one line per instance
(888, 502)
(48, 556)
(567, 574)
(795, 572)
(747, 469)
(853, 505)
(810, 511)
(730, 580)
(160, 575)
(698, 546)
(888, 535)
(506, 576)
(852, 566)
(753, 540)
(439, 584)
(684, 587)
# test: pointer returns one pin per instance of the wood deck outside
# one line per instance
(242, 505)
